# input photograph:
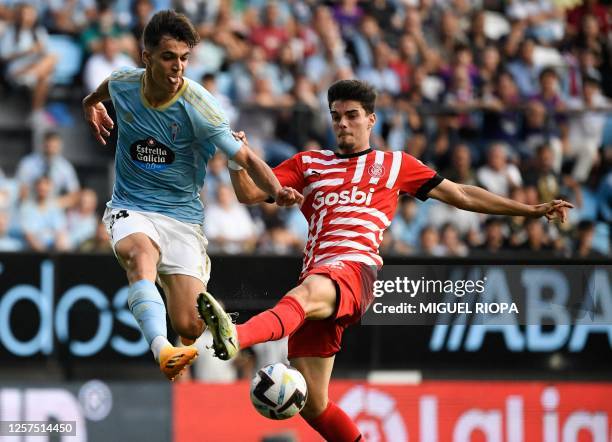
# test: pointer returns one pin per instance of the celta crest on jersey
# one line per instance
(354, 196)
(174, 127)
(150, 154)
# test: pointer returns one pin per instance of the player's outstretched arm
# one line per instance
(246, 190)
(256, 182)
(477, 199)
(95, 113)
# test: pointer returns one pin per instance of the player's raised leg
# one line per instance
(139, 256)
(323, 415)
(313, 299)
(181, 295)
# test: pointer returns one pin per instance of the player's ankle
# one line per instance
(158, 343)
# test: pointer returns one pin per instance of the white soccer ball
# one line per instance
(278, 391)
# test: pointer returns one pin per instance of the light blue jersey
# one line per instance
(162, 152)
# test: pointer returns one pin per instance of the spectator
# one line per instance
(429, 244)
(42, 220)
(277, 239)
(494, 240)
(8, 242)
(541, 177)
(228, 225)
(23, 48)
(450, 241)
(107, 24)
(52, 164)
(100, 65)
(490, 65)
(142, 10)
(100, 243)
(538, 243)
(498, 175)
(501, 116)
(586, 128)
(82, 221)
(583, 248)
(348, 15)
(538, 129)
(271, 35)
(71, 16)
(406, 227)
(448, 35)
(543, 18)
(209, 81)
(550, 93)
(216, 175)
(524, 69)
(461, 170)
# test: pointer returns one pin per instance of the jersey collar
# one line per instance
(167, 104)
(354, 154)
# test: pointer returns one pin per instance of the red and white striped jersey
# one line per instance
(350, 200)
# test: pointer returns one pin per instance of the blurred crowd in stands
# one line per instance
(511, 95)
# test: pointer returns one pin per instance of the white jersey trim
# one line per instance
(322, 183)
(309, 172)
(351, 234)
(346, 243)
(395, 168)
(310, 160)
(370, 259)
(369, 210)
(359, 169)
(356, 222)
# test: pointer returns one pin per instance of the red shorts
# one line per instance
(354, 283)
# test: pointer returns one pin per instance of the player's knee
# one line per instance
(190, 328)
(139, 260)
(317, 296)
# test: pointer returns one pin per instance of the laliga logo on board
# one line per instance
(446, 417)
(375, 413)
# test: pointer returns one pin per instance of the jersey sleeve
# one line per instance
(210, 125)
(289, 173)
(416, 178)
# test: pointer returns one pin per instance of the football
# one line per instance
(278, 391)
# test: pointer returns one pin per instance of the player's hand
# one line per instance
(554, 210)
(241, 136)
(288, 196)
(99, 121)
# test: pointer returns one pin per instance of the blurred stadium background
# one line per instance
(513, 95)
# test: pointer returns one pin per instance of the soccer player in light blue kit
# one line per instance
(169, 127)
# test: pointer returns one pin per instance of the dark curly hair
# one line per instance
(169, 23)
(353, 90)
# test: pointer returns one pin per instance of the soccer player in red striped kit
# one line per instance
(349, 198)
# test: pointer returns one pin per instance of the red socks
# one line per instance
(335, 425)
(273, 324)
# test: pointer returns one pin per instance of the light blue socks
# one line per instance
(147, 306)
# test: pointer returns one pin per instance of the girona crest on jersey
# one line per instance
(376, 170)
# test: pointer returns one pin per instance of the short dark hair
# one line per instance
(51, 134)
(169, 23)
(353, 90)
(548, 71)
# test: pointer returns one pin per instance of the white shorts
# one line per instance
(182, 246)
